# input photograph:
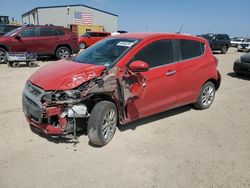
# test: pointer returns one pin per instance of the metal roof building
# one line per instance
(66, 15)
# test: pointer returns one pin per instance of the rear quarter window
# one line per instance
(191, 49)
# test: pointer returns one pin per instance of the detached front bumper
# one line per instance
(46, 121)
(43, 119)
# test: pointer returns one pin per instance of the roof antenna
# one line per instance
(180, 29)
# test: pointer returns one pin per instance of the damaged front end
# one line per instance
(65, 112)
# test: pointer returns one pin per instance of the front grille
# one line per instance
(32, 106)
(32, 110)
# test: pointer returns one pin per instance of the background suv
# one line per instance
(43, 40)
(219, 42)
(90, 38)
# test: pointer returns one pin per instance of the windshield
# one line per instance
(106, 52)
(13, 31)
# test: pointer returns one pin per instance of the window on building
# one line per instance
(157, 53)
(191, 49)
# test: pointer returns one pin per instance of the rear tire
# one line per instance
(224, 49)
(3, 56)
(63, 52)
(102, 123)
(206, 96)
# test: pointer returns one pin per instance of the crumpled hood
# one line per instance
(64, 75)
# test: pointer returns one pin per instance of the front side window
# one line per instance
(191, 49)
(106, 52)
(31, 32)
(157, 53)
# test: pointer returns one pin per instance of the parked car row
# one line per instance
(236, 41)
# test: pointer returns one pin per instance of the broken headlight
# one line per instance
(62, 96)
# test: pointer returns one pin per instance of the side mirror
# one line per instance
(17, 36)
(138, 66)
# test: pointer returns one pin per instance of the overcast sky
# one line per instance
(197, 16)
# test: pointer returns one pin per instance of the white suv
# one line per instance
(244, 46)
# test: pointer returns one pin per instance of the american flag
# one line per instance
(83, 18)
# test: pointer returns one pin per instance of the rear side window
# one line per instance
(60, 32)
(157, 53)
(31, 32)
(47, 32)
(103, 34)
(191, 49)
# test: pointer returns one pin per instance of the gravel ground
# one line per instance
(179, 148)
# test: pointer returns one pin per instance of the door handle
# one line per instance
(170, 72)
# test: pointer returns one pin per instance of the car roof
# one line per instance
(148, 35)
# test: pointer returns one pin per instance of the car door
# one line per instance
(94, 37)
(47, 40)
(192, 69)
(161, 85)
(24, 41)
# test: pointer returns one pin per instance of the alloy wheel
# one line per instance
(207, 95)
(109, 124)
(64, 53)
(2, 56)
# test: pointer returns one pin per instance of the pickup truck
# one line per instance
(218, 42)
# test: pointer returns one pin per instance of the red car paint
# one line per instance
(64, 74)
(34, 42)
(158, 89)
(90, 38)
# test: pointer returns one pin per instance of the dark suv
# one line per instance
(219, 42)
(43, 40)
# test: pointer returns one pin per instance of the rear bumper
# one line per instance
(241, 67)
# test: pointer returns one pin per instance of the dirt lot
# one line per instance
(179, 148)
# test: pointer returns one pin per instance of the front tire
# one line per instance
(63, 52)
(3, 56)
(102, 123)
(206, 96)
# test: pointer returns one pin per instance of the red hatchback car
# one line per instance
(43, 40)
(91, 37)
(118, 80)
